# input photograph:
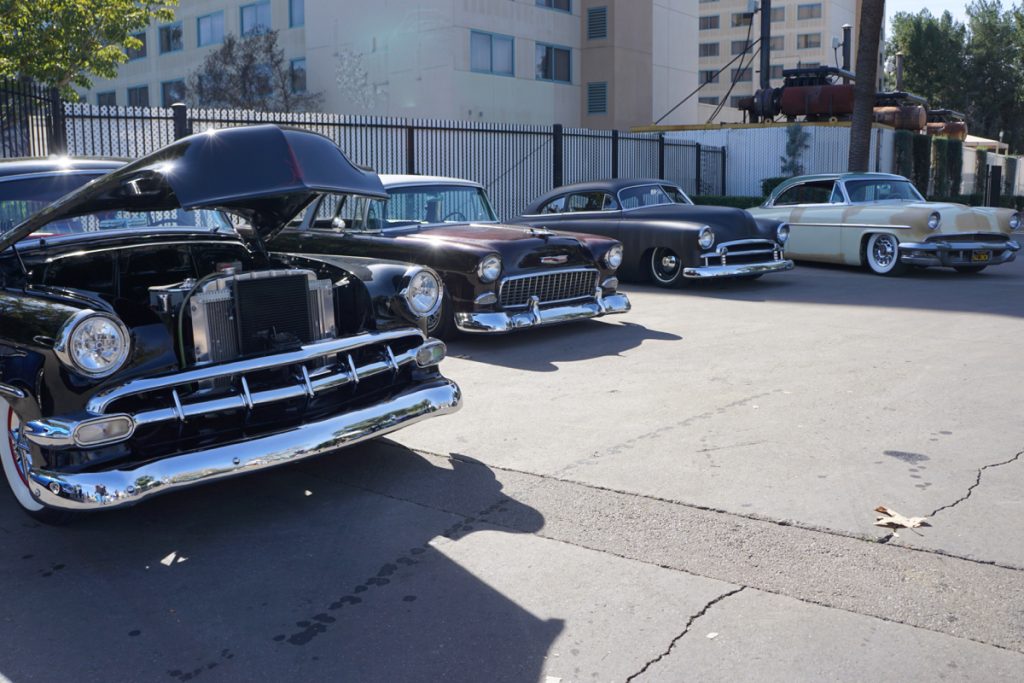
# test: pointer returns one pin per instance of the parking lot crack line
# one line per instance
(976, 484)
(686, 629)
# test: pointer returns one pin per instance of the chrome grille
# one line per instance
(551, 287)
(742, 252)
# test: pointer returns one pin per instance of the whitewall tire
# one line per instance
(882, 255)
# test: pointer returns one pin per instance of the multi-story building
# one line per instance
(593, 63)
(803, 33)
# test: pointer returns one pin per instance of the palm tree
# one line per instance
(872, 13)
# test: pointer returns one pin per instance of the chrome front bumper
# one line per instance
(940, 253)
(739, 270)
(535, 315)
(118, 488)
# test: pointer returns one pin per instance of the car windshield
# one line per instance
(22, 198)
(428, 205)
(651, 195)
(864, 191)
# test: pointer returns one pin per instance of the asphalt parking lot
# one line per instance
(685, 492)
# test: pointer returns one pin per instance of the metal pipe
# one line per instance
(899, 71)
(766, 39)
(847, 48)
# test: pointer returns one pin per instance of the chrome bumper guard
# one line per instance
(940, 253)
(118, 488)
(739, 270)
(498, 322)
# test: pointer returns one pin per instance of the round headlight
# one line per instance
(1016, 221)
(613, 257)
(423, 294)
(782, 233)
(489, 268)
(934, 220)
(707, 238)
(94, 344)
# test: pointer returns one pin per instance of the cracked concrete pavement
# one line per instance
(682, 493)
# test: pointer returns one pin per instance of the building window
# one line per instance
(597, 23)
(708, 49)
(743, 75)
(597, 98)
(776, 71)
(106, 99)
(172, 92)
(491, 53)
(210, 29)
(777, 43)
(298, 74)
(809, 11)
(137, 53)
(778, 14)
(708, 76)
(296, 13)
(256, 18)
(742, 19)
(553, 63)
(708, 23)
(563, 5)
(138, 96)
(171, 38)
(740, 46)
(806, 41)
(708, 100)
(735, 100)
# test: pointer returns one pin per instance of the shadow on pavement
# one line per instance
(997, 290)
(539, 350)
(299, 573)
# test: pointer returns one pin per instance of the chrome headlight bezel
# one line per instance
(419, 281)
(934, 220)
(69, 344)
(1016, 221)
(489, 268)
(706, 238)
(613, 257)
(782, 233)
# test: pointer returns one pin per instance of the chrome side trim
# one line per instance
(118, 488)
(12, 391)
(710, 272)
(869, 226)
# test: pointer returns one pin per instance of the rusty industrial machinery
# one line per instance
(947, 123)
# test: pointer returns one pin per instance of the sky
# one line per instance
(958, 8)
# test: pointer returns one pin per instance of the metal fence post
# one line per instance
(697, 171)
(410, 150)
(57, 135)
(722, 152)
(179, 112)
(995, 183)
(661, 156)
(615, 154)
(556, 155)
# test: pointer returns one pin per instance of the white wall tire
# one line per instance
(882, 254)
(17, 480)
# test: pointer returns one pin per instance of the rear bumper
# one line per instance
(739, 270)
(118, 488)
(939, 253)
(499, 322)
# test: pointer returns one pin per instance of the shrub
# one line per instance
(980, 171)
(904, 144)
(922, 150)
(940, 166)
(797, 140)
(956, 166)
(768, 185)
(1010, 176)
(734, 202)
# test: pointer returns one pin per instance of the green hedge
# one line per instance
(1010, 175)
(977, 199)
(956, 165)
(940, 166)
(922, 152)
(980, 171)
(769, 184)
(735, 202)
(904, 144)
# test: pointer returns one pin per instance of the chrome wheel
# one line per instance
(666, 267)
(882, 254)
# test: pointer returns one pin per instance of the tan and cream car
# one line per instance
(882, 221)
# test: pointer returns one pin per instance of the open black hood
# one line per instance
(266, 174)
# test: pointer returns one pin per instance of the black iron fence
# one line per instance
(515, 163)
(30, 120)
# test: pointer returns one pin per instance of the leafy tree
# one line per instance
(250, 73)
(63, 42)
(797, 140)
(934, 52)
(872, 12)
(995, 72)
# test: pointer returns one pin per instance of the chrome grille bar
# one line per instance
(549, 287)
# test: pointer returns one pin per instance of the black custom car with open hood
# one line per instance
(498, 278)
(145, 347)
(667, 238)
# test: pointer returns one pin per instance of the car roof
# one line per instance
(844, 177)
(610, 185)
(31, 166)
(398, 180)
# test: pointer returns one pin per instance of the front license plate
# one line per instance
(981, 255)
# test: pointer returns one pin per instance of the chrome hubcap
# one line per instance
(884, 251)
(668, 262)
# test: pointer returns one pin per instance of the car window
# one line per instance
(676, 195)
(814, 192)
(837, 195)
(643, 195)
(556, 205)
(432, 204)
(591, 201)
(881, 190)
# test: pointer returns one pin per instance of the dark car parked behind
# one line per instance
(666, 238)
